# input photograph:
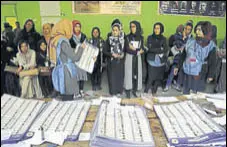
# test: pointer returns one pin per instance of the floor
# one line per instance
(105, 89)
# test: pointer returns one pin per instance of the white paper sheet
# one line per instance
(84, 136)
(5, 134)
(210, 111)
(86, 61)
(220, 120)
(166, 99)
(218, 103)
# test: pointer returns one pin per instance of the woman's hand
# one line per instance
(19, 70)
(83, 46)
(94, 58)
(131, 47)
(175, 71)
(115, 55)
(141, 51)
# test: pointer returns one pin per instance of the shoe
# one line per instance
(128, 94)
(166, 89)
(177, 88)
(98, 87)
(75, 97)
(82, 93)
(54, 94)
(134, 94)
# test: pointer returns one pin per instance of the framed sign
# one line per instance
(197, 8)
(107, 7)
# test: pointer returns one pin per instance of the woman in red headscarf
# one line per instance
(77, 38)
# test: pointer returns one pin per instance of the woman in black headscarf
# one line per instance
(114, 51)
(156, 57)
(96, 76)
(133, 61)
(44, 64)
(29, 34)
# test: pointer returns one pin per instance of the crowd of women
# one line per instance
(183, 61)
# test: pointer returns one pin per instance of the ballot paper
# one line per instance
(84, 136)
(135, 44)
(221, 104)
(166, 99)
(17, 116)
(220, 120)
(87, 61)
(123, 126)
(61, 121)
(186, 124)
(110, 99)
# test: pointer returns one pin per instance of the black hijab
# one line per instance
(95, 28)
(138, 28)
(39, 50)
(161, 30)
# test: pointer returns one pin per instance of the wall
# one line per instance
(149, 15)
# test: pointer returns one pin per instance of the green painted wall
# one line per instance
(149, 15)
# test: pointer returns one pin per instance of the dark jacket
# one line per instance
(131, 37)
(73, 43)
(157, 45)
(32, 37)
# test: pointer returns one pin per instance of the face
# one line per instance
(133, 28)
(29, 26)
(17, 25)
(193, 4)
(24, 48)
(199, 32)
(46, 30)
(187, 30)
(43, 46)
(95, 33)
(157, 29)
(115, 31)
(77, 28)
(203, 6)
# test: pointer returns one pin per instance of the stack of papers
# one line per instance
(87, 61)
(17, 115)
(186, 125)
(60, 121)
(166, 99)
(121, 126)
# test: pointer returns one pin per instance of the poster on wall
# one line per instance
(197, 8)
(107, 7)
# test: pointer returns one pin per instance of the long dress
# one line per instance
(64, 74)
(133, 65)
(115, 67)
(30, 87)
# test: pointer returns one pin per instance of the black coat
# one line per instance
(73, 43)
(157, 45)
(31, 37)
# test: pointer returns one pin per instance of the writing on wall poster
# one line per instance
(197, 8)
(107, 7)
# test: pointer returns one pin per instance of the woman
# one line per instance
(96, 77)
(221, 67)
(156, 58)
(198, 59)
(29, 34)
(43, 64)
(46, 32)
(26, 58)
(133, 61)
(114, 50)
(64, 74)
(78, 38)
